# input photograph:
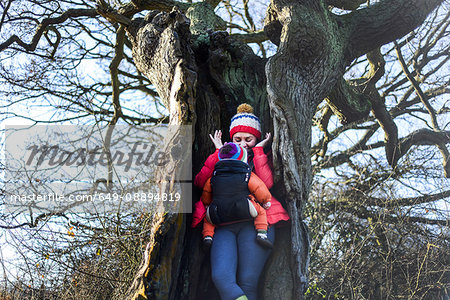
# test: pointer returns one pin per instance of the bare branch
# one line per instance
(344, 156)
(389, 127)
(401, 219)
(5, 12)
(417, 88)
(45, 216)
(54, 44)
(254, 37)
(71, 13)
(323, 126)
(111, 15)
(423, 137)
(350, 100)
(384, 22)
(113, 68)
(385, 203)
(379, 110)
(442, 90)
(347, 102)
(248, 16)
(419, 137)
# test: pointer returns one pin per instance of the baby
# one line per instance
(230, 195)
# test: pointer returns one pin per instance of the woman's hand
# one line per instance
(265, 141)
(217, 139)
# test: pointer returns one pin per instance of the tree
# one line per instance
(182, 57)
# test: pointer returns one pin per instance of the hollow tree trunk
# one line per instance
(201, 80)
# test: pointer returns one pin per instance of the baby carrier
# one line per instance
(230, 193)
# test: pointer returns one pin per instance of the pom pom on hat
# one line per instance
(233, 151)
(245, 108)
(245, 121)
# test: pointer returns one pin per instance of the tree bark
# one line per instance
(201, 79)
(161, 51)
(302, 73)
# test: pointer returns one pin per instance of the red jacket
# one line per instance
(263, 169)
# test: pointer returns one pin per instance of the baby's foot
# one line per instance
(207, 242)
(262, 239)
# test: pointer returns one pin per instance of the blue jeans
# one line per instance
(237, 260)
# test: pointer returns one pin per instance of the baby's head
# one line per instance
(233, 151)
(245, 127)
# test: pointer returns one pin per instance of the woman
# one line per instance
(237, 260)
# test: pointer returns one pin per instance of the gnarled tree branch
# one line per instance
(346, 4)
(384, 22)
(253, 37)
(420, 137)
(429, 137)
(379, 110)
(347, 103)
(42, 27)
(136, 6)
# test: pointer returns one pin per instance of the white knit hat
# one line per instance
(245, 121)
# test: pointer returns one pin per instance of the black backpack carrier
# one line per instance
(230, 192)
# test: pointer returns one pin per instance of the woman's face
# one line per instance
(245, 140)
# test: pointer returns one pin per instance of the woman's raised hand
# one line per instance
(217, 139)
(265, 141)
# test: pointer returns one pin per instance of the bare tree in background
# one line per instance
(360, 62)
